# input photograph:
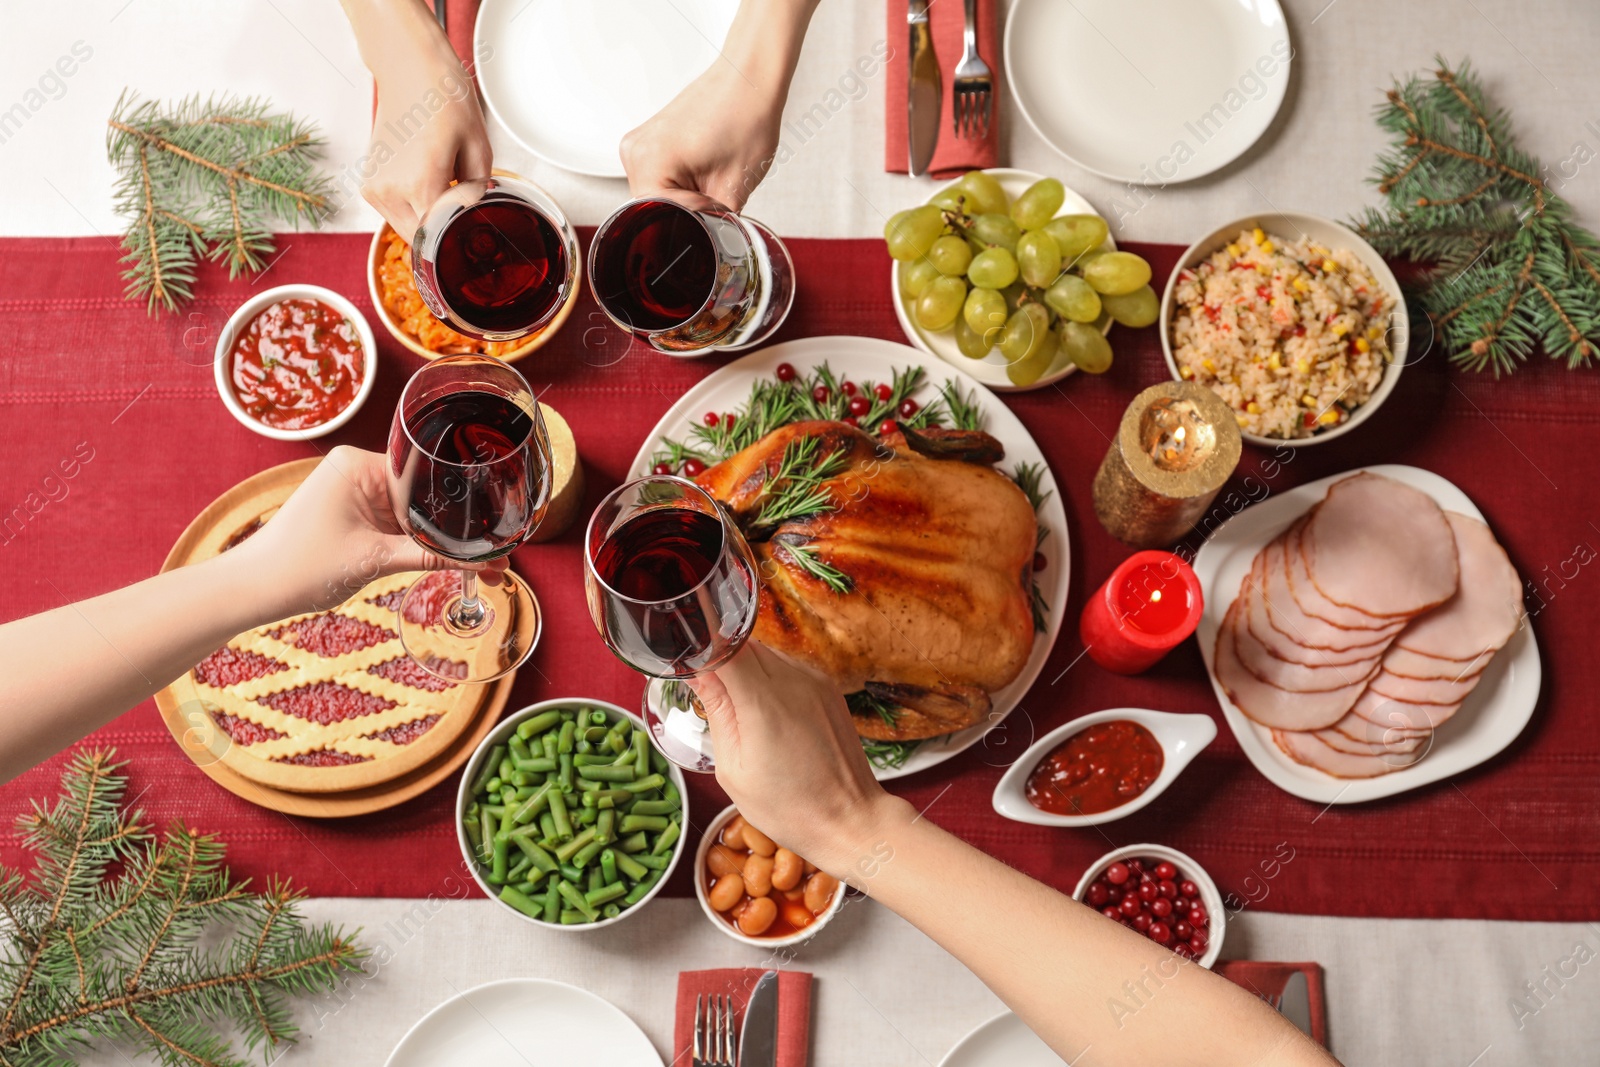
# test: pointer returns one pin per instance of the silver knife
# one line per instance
(1297, 1002)
(923, 92)
(758, 1040)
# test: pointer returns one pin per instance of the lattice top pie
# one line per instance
(325, 702)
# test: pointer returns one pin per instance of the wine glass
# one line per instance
(685, 274)
(469, 479)
(495, 258)
(671, 586)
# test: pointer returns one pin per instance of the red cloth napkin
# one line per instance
(1268, 979)
(948, 19)
(794, 1009)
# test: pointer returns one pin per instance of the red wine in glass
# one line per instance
(672, 589)
(500, 264)
(469, 478)
(685, 274)
(658, 268)
(656, 556)
(472, 491)
(495, 258)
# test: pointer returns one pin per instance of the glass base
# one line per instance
(672, 714)
(777, 292)
(499, 644)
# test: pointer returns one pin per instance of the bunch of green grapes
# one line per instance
(1013, 275)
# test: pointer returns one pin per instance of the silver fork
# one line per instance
(972, 98)
(716, 1039)
(1276, 1000)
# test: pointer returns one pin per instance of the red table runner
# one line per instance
(85, 374)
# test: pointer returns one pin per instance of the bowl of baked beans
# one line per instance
(755, 890)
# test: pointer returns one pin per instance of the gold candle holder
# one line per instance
(566, 478)
(1177, 445)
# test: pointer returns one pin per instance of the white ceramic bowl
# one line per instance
(991, 370)
(498, 736)
(1216, 911)
(242, 317)
(1181, 738)
(1330, 234)
(724, 925)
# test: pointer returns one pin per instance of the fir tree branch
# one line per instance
(234, 174)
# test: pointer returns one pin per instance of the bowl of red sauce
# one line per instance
(296, 362)
(1160, 893)
(1100, 767)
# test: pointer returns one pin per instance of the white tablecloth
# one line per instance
(1416, 992)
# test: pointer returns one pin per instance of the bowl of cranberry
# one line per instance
(295, 362)
(1161, 893)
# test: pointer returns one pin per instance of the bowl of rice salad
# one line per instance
(1295, 321)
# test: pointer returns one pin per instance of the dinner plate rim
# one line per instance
(1512, 697)
(529, 984)
(1057, 548)
(918, 338)
(546, 154)
(1280, 93)
(969, 1041)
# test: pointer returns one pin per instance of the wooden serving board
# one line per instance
(348, 790)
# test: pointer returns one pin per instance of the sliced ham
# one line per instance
(1399, 744)
(1486, 609)
(1399, 714)
(1308, 749)
(1279, 613)
(1409, 664)
(1440, 691)
(1296, 677)
(1310, 598)
(1367, 732)
(1380, 547)
(1269, 705)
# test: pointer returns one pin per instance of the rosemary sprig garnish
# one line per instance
(888, 755)
(1030, 479)
(964, 411)
(805, 557)
(795, 491)
(863, 702)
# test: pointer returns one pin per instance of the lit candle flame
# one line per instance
(1155, 596)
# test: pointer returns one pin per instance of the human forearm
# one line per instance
(1077, 980)
(398, 39)
(72, 670)
(764, 42)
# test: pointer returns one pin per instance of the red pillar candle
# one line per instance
(1150, 603)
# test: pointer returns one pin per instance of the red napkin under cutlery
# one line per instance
(794, 1009)
(1267, 980)
(947, 20)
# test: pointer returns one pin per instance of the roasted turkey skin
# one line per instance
(937, 546)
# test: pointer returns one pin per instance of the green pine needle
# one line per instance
(1509, 271)
(124, 936)
(207, 179)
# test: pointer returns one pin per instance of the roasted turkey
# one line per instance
(936, 550)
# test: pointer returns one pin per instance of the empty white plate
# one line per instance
(567, 80)
(524, 1021)
(1153, 92)
(1001, 1042)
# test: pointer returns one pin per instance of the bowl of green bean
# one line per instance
(568, 817)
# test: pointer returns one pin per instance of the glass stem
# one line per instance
(468, 614)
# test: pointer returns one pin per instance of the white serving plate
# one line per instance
(859, 359)
(1181, 738)
(568, 80)
(992, 370)
(523, 1020)
(1003, 1041)
(1332, 235)
(1117, 86)
(1492, 717)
